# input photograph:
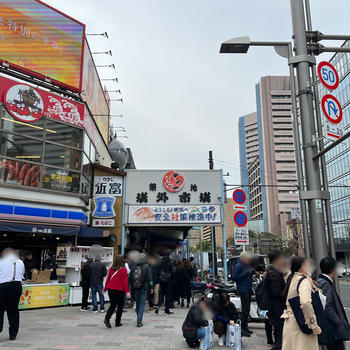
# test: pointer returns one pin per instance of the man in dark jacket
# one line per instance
(165, 276)
(98, 271)
(334, 308)
(274, 285)
(243, 276)
(29, 265)
(192, 328)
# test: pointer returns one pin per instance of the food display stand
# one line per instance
(37, 295)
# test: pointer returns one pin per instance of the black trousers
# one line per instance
(220, 328)
(338, 345)
(277, 331)
(116, 298)
(245, 304)
(10, 293)
(85, 296)
(165, 292)
(268, 331)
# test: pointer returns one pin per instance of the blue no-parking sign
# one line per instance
(239, 196)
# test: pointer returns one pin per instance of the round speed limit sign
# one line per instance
(328, 75)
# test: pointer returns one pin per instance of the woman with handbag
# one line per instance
(116, 285)
(300, 287)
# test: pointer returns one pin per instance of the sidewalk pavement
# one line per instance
(68, 328)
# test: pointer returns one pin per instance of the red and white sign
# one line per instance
(332, 132)
(239, 196)
(328, 75)
(29, 104)
(332, 109)
(173, 181)
(103, 222)
(241, 236)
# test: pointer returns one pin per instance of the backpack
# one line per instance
(137, 277)
(262, 296)
(164, 276)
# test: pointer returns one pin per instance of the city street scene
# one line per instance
(175, 174)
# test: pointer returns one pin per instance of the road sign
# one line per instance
(241, 236)
(328, 75)
(332, 109)
(239, 196)
(239, 207)
(332, 132)
(240, 218)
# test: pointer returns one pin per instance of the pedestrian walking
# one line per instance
(85, 284)
(98, 271)
(117, 286)
(275, 285)
(165, 275)
(186, 278)
(11, 275)
(293, 337)
(243, 276)
(195, 321)
(154, 298)
(225, 314)
(334, 308)
(141, 283)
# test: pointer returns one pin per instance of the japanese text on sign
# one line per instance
(108, 185)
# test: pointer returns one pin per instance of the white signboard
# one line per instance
(241, 236)
(103, 222)
(108, 186)
(174, 215)
(332, 132)
(173, 197)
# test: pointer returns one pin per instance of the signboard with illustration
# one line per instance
(36, 39)
(173, 197)
(37, 296)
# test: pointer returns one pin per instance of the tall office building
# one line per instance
(267, 155)
(338, 161)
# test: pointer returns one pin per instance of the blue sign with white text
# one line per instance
(104, 207)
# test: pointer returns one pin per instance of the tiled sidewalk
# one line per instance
(67, 328)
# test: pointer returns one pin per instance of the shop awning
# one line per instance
(40, 229)
(91, 232)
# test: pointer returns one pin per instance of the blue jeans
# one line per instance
(97, 288)
(200, 333)
(140, 298)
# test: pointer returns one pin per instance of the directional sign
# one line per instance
(240, 218)
(241, 236)
(332, 132)
(328, 75)
(332, 109)
(239, 196)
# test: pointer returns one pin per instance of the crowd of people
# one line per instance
(140, 279)
(289, 295)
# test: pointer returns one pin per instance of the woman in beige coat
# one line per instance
(293, 337)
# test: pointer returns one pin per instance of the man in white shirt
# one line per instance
(11, 275)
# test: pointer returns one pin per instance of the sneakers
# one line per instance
(84, 309)
(95, 311)
(168, 312)
(107, 323)
(221, 341)
(140, 324)
(102, 311)
(118, 324)
(156, 310)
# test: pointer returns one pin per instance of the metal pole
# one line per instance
(201, 252)
(188, 244)
(299, 167)
(321, 147)
(224, 243)
(213, 250)
(312, 171)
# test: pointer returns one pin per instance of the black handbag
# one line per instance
(327, 335)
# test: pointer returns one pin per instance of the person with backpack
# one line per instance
(85, 284)
(141, 283)
(334, 308)
(165, 275)
(117, 287)
(243, 276)
(300, 287)
(274, 284)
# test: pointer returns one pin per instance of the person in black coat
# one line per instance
(275, 284)
(165, 284)
(85, 284)
(192, 328)
(225, 314)
(334, 308)
(185, 280)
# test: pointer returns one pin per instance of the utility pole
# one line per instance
(213, 236)
(313, 194)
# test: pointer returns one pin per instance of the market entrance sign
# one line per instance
(173, 197)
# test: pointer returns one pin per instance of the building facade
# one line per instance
(338, 161)
(267, 155)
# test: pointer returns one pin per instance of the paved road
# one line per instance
(67, 328)
(345, 295)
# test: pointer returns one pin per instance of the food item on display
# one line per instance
(19, 173)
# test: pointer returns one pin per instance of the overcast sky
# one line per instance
(181, 98)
